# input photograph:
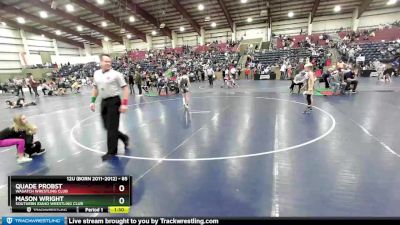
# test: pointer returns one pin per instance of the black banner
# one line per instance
(222, 221)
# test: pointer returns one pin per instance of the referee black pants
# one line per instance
(110, 115)
(211, 80)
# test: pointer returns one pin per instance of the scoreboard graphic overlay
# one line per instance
(77, 194)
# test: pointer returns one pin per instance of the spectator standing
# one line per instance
(247, 73)
(138, 79)
(28, 85)
(233, 72)
(210, 74)
(18, 83)
(283, 71)
(34, 84)
(131, 81)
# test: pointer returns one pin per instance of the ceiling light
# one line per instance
(20, 20)
(4, 24)
(249, 20)
(290, 14)
(128, 36)
(42, 35)
(79, 28)
(213, 24)
(101, 2)
(43, 14)
(69, 7)
(153, 32)
(181, 29)
(337, 8)
(391, 2)
(58, 32)
(131, 19)
(207, 19)
(200, 7)
(104, 24)
(106, 39)
(243, 1)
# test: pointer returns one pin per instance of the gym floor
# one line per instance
(248, 151)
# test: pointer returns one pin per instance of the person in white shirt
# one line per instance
(233, 72)
(28, 85)
(351, 55)
(283, 71)
(108, 84)
(210, 74)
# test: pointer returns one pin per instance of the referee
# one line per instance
(108, 84)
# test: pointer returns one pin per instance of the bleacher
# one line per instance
(371, 51)
(297, 39)
(273, 57)
(387, 34)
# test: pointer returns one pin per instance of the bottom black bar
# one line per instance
(223, 221)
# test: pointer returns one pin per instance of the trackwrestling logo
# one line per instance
(33, 220)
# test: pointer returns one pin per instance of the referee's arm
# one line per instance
(95, 93)
(125, 94)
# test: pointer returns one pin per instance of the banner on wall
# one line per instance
(22, 58)
(28, 60)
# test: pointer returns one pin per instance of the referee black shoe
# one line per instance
(107, 156)
(126, 142)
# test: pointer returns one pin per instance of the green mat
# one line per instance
(323, 92)
(151, 94)
(316, 93)
(323, 89)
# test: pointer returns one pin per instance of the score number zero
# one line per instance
(99, 178)
(121, 188)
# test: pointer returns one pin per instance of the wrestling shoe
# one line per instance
(23, 160)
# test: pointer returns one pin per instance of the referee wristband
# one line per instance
(93, 99)
(124, 101)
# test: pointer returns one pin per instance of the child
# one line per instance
(32, 147)
(19, 103)
(184, 84)
(76, 86)
(7, 137)
(309, 86)
(23, 129)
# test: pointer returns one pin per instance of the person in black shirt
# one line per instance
(350, 80)
(326, 77)
(131, 82)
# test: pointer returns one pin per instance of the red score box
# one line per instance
(81, 188)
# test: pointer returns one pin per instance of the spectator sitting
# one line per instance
(326, 77)
(298, 80)
(350, 80)
(24, 130)
(337, 83)
(9, 134)
(45, 87)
